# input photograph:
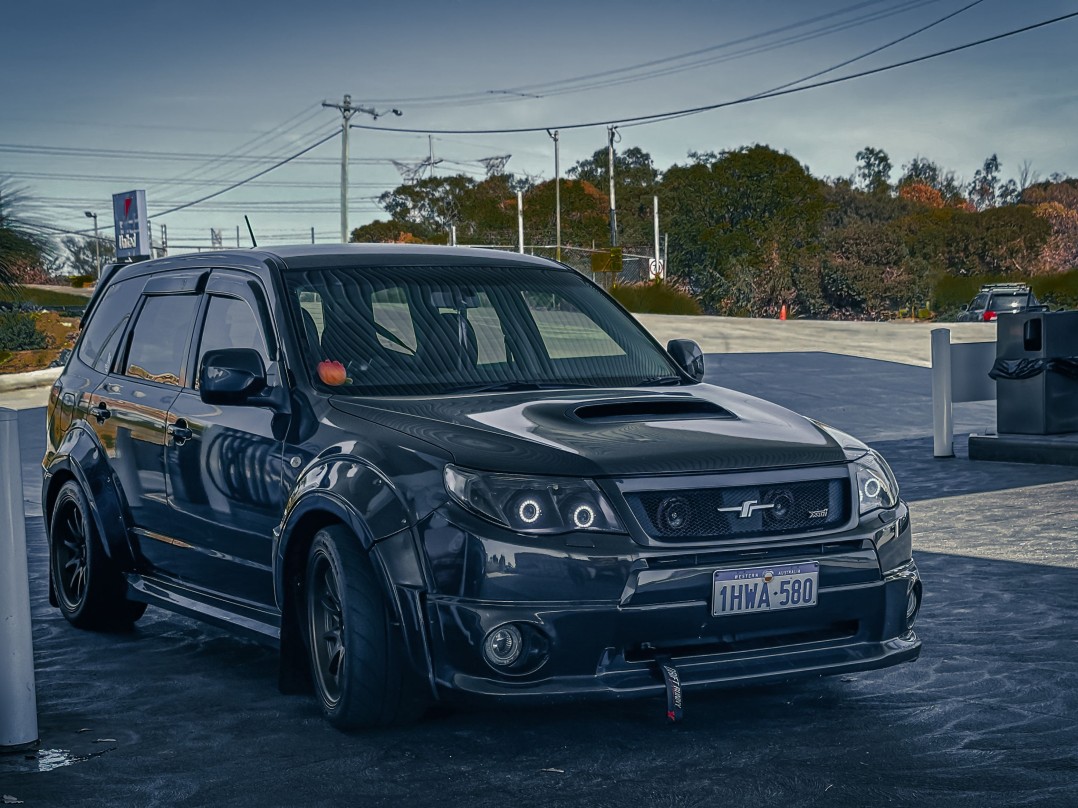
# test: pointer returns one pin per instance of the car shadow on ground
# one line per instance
(180, 713)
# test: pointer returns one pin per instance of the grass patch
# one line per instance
(47, 298)
(655, 298)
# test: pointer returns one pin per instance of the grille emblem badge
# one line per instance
(746, 508)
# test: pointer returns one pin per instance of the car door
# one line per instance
(224, 462)
(128, 409)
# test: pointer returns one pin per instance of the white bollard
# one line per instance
(942, 408)
(18, 695)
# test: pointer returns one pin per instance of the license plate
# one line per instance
(765, 589)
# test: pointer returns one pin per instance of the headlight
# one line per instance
(876, 483)
(532, 504)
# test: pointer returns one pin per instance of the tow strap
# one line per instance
(674, 698)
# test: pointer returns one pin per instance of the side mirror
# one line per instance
(688, 356)
(231, 376)
(965, 307)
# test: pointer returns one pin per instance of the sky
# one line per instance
(184, 99)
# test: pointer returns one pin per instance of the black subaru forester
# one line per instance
(428, 472)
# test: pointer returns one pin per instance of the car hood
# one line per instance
(606, 432)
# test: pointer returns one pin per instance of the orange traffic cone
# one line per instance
(782, 314)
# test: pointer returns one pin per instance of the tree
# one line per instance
(988, 190)
(433, 202)
(873, 170)
(584, 211)
(23, 248)
(1061, 250)
(82, 254)
(744, 229)
(921, 194)
(921, 170)
(383, 232)
(635, 182)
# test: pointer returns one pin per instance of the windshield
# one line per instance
(384, 331)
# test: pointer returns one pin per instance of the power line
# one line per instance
(750, 51)
(45, 175)
(74, 151)
(526, 90)
(261, 173)
(847, 62)
(662, 116)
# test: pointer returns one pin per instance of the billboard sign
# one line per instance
(132, 225)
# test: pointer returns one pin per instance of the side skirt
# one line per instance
(241, 618)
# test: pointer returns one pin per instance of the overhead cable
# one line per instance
(662, 116)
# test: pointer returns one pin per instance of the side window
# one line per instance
(159, 340)
(391, 312)
(101, 335)
(979, 302)
(311, 306)
(230, 323)
(567, 332)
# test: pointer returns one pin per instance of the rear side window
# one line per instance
(101, 335)
(160, 337)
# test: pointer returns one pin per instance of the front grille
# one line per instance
(744, 511)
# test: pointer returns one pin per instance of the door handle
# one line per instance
(101, 412)
(180, 432)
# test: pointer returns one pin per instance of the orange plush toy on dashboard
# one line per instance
(332, 372)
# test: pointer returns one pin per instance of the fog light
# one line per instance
(913, 605)
(503, 646)
(674, 514)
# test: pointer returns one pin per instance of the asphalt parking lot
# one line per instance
(178, 713)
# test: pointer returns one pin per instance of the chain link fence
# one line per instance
(635, 261)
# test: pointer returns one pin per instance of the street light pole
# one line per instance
(347, 111)
(97, 244)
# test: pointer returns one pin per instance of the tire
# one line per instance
(354, 650)
(89, 589)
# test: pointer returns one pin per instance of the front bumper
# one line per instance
(604, 619)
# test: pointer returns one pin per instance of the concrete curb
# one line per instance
(30, 380)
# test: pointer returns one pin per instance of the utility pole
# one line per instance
(347, 111)
(611, 135)
(557, 195)
(237, 237)
(312, 235)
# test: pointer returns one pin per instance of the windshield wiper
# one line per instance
(499, 387)
(657, 381)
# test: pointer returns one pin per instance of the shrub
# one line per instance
(1057, 290)
(80, 281)
(655, 298)
(19, 333)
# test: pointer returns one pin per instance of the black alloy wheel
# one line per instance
(353, 645)
(89, 589)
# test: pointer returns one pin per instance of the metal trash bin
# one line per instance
(1036, 382)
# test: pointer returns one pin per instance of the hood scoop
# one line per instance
(650, 409)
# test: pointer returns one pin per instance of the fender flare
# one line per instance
(346, 490)
(81, 456)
